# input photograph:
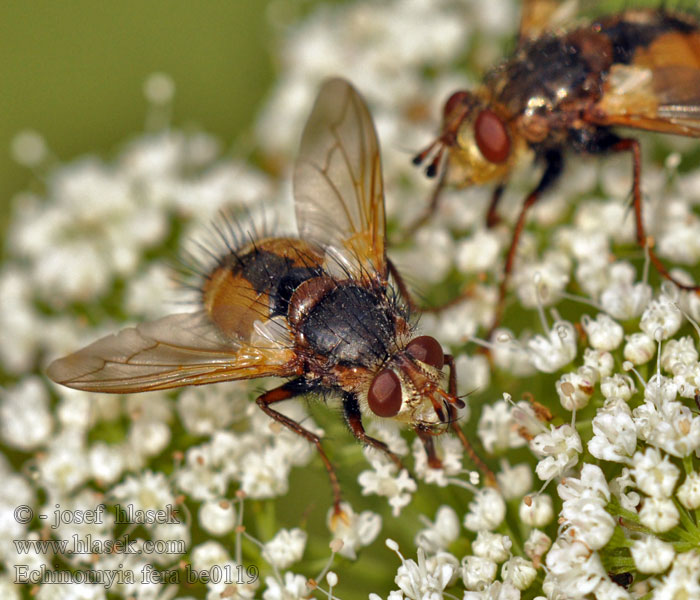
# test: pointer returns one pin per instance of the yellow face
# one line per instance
(481, 142)
(486, 150)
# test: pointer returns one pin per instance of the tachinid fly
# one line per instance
(317, 310)
(567, 90)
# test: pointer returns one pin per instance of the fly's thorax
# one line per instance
(346, 323)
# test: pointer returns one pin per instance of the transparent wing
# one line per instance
(659, 91)
(338, 189)
(174, 351)
(540, 16)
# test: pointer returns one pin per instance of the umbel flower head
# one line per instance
(585, 409)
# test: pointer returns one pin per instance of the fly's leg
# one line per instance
(489, 477)
(351, 409)
(429, 210)
(287, 391)
(408, 297)
(553, 167)
(492, 218)
(426, 437)
(632, 145)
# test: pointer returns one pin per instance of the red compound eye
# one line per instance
(427, 350)
(491, 137)
(384, 396)
(453, 102)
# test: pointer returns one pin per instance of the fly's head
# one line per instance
(477, 144)
(408, 387)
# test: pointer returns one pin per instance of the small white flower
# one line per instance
(426, 578)
(603, 332)
(450, 452)
(28, 148)
(614, 435)
(651, 555)
(353, 530)
(217, 517)
(439, 535)
(514, 481)
(666, 423)
(541, 282)
(64, 467)
(551, 353)
(661, 318)
(177, 536)
(286, 548)
(536, 545)
(591, 485)
(609, 590)
(473, 373)
(510, 355)
(658, 514)
(558, 450)
(25, 419)
(536, 510)
(203, 410)
(575, 389)
(677, 353)
(602, 362)
(265, 474)
(497, 589)
(206, 555)
(146, 491)
(106, 462)
(619, 485)
(486, 511)
(624, 301)
(655, 476)
(478, 572)
(199, 477)
(639, 349)
(383, 481)
(494, 546)
(619, 386)
(149, 437)
(588, 521)
(688, 493)
(293, 587)
(519, 571)
(574, 567)
(682, 580)
(478, 253)
(497, 430)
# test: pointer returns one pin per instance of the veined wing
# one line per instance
(540, 16)
(338, 186)
(177, 350)
(659, 90)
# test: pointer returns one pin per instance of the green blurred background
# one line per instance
(74, 70)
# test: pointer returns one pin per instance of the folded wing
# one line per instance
(177, 350)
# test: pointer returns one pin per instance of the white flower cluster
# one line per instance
(598, 404)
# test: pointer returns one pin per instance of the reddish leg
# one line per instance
(427, 438)
(286, 391)
(354, 419)
(553, 168)
(492, 218)
(490, 478)
(412, 304)
(632, 145)
(429, 210)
